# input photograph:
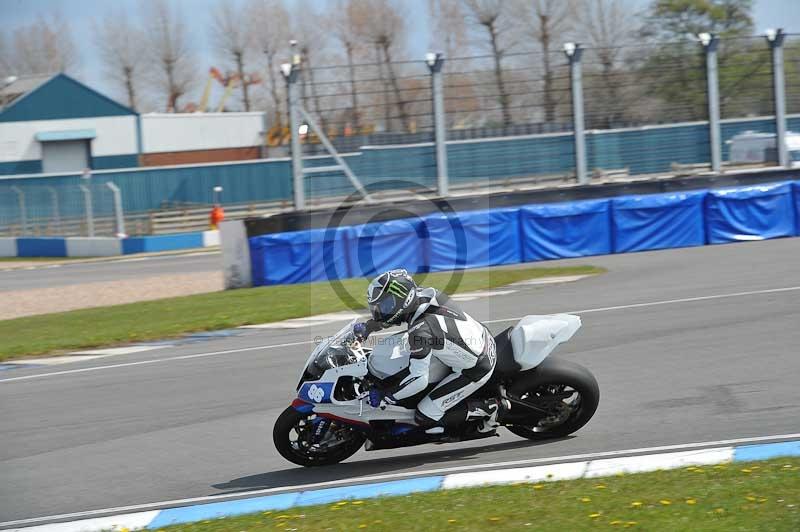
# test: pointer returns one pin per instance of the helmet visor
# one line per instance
(384, 308)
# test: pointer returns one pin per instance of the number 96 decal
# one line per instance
(319, 392)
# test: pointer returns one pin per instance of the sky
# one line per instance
(79, 14)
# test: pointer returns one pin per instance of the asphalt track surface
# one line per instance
(688, 345)
(49, 276)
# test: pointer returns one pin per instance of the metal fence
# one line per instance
(658, 108)
(466, 123)
(85, 209)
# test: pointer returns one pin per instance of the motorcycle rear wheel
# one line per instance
(299, 450)
(567, 388)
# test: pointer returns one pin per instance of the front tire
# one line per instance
(546, 385)
(291, 437)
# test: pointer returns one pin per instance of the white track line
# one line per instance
(290, 344)
(423, 473)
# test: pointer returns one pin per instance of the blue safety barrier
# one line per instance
(300, 256)
(474, 239)
(562, 230)
(658, 221)
(482, 238)
(755, 212)
(41, 247)
(380, 246)
(796, 186)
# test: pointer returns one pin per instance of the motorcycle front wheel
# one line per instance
(567, 390)
(294, 438)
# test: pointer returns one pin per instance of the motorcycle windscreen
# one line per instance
(535, 337)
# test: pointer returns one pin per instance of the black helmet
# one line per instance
(391, 296)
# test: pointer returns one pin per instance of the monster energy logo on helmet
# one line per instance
(397, 289)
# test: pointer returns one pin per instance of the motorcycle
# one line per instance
(333, 417)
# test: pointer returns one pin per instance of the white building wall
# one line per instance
(200, 131)
(116, 135)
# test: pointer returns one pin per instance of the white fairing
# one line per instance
(535, 337)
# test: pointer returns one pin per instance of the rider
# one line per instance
(436, 328)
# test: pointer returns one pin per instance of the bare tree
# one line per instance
(350, 21)
(548, 20)
(230, 32)
(494, 18)
(449, 30)
(387, 30)
(269, 27)
(608, 26)
(309, 31)
(5, 59)
(121, 45)
(44, 46)
(170, 52)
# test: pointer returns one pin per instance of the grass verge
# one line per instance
(164, 318)
(739, 496)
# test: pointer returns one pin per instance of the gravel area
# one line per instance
(100, 294)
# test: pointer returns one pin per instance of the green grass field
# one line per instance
(163, 318)
(740, 496)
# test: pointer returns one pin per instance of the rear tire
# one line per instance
(552, 375)
(349, 440)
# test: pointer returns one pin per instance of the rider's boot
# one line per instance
(489, 410)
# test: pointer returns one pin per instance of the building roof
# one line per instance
(14, 87)
(54, 97)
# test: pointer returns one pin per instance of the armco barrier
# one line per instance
(658, 221)
(381, 246)
(522, 234)
(796, 187)
(474, 239)
(297, 257)
(104, 246)
(750, 213)
(563, 230)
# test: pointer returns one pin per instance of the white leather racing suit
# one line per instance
(439, 329)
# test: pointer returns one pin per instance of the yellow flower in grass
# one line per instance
(538, 486)
(665, 502)
(750, 498)
(362, 525)
(691, 501)
(630, 524)
(341, 503)
(452, 521)
(357, 502)
(616, 522)
(762, 499)
(745, 470)
(719, 510)
(586, 499)
(637, 504)
(600, 487)
(377, 522)
(494, 519)
(595, 515)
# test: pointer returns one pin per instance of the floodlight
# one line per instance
(569, 48)
(303, 129)
(430, 58)
(286, 69)
(705, 38)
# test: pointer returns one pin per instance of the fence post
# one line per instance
(23, 211)
(55, 207)
(710, 42)
(775, 40)
(290, 72)
(573, 52)
(119, 215)
(435, 63)
(87, 202)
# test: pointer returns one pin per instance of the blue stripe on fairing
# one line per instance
(201, 512)
(766, 451)
(370, 491)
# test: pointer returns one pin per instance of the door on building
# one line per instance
(65, 156)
